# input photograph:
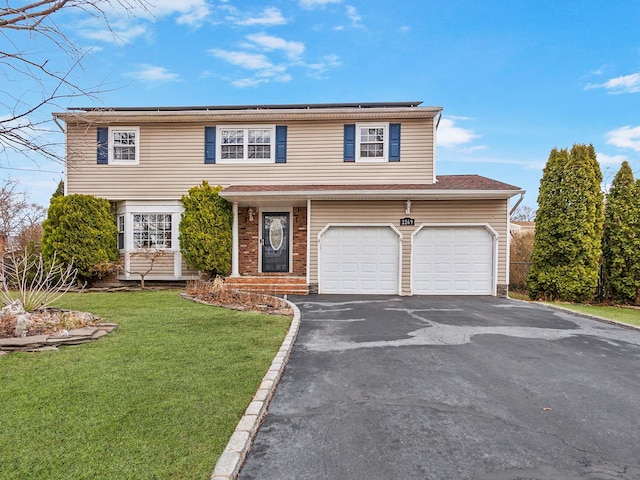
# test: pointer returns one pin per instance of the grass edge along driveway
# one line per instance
(628, 316)
(156, 399)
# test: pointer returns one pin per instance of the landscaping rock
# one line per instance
(41, 343)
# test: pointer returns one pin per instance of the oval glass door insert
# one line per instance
(276, 233)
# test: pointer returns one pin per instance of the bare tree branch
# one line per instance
(36, 75)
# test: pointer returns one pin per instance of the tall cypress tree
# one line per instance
(621, 238)
(567, 242)
(549, 227)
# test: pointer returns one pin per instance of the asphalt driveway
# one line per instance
(452, 388)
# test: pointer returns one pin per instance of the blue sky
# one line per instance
(515, 78)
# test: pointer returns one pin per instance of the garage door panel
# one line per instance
(452, 260)
(361, 260)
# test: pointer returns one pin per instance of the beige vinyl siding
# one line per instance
(172, 161)
(162, 267)
(188, 271)
(492, 212)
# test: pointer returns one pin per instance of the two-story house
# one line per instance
(327, 198)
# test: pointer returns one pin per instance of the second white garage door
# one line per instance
(452, 261)
(359, 260)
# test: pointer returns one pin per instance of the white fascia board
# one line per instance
(281, 115)
(371, 194)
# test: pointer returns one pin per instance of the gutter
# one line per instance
(368, 195)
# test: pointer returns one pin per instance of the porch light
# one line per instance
(407, 209)
(251, 212)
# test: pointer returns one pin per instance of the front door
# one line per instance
(275, 242)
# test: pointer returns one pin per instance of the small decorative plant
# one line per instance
(34, 283)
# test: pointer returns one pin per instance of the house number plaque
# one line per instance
(407, 222)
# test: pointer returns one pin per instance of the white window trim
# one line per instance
(122, 230)
(174, 207)
(246, 128)
(173, 229)
(385, 146)
(112, 160)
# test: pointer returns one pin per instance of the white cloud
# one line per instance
(311, 4)
(122, 32)
(249, 61)
(153, 73)
(257, 80)
(189, 12)
(129, 24)
(625, 137)
(293, 50)
(449, 135)
(354, 16)
(624, 84)
(265, 70)
(404, 29)
(326, 63)
(270, 16)
(605, 159)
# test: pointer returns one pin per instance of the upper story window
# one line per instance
(124, 147)
(245, 144)
(118, 145)
(372, 142)
(250, 144)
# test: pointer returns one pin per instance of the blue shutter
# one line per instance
(394, 142)
(103, 146)
(281, 144)
(350, 143)
(209, 144)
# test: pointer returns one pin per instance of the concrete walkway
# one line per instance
(452, 388)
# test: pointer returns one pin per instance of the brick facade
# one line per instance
(248, 236)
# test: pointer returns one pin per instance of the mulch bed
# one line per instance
(243, 301)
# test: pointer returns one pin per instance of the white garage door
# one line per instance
(452, 261)
(359, 260)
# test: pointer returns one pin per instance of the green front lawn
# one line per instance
(620, 314)
(156, 399)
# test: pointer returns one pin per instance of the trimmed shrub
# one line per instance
(80, 229)
(206, 230)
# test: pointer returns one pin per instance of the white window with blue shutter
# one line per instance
(372, 142)
(118, 145)
(234, 144)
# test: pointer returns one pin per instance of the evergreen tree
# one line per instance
(621, 238)
(569, 222)
(80, 229)
(59, 190)
(206, 230)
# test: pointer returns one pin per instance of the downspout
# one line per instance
(435, 130)
(517, 204)
(62, 129)
(507, 278)
(309, 241)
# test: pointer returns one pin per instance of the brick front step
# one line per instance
(272, 285)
